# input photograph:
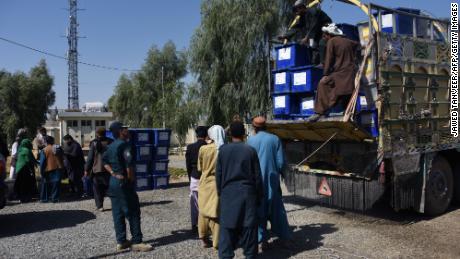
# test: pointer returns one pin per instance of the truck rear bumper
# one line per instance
(345, 192)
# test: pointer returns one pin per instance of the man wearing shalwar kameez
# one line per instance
(240, 190)
(208, 201)
(339, 71)
(191, 159)
(271, 157)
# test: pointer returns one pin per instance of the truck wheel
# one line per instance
(457, 184)
(439, 187)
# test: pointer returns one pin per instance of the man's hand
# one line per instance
(304, 41)
(86, 174)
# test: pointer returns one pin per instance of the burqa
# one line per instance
(271, 157)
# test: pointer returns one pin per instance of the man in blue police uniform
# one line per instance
(118, 161)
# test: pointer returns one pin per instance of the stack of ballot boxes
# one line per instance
(295, 82)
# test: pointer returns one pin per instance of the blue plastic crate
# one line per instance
(362, 104)
(282, 81)
(141, 136)
(281, 117)
(161, 153)
(368, 120)
(404, 23)
(350, 31)
(160, 167)
(160, 181)
(305, 79)
(162, 137)
(145, 152)
(307, 106)
(285, 104)
(144, 183)
(291, 55)
(142, 168)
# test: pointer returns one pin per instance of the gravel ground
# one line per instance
(73, 229)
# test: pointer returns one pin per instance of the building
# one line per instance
(82, 125)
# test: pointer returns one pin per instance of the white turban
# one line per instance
(332, 29)
(217, 134)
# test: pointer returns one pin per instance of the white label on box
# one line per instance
(387, 21)
(144, 151)
(160, 166)
(280, 78)
(308, 105)
(141, 168)
(142, 182)
(144, 137)
(300, 78)
(284, 53)
(363, 102)
(162, 181)
(162, 151)
(280, 101)
(163, 136)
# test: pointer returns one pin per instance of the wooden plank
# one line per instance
(317, 131)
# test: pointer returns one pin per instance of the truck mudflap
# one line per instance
(335, 190)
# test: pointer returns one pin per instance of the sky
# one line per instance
(119, 33)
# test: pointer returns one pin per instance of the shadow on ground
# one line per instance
(175, 237)
(382, 212)
(32, 222)
(146, 204)
(178, 185)
(304, 238)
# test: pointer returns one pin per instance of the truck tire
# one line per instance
(456, 197)
(439, 187)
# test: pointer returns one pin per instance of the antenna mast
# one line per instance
(72, 54)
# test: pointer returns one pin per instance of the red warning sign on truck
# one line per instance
(324, 188)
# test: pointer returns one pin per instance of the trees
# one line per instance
(229, 54)
(25, 99)
(138, 99)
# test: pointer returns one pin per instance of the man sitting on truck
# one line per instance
(339, 71)
(307, 31)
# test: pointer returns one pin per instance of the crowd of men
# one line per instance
(53, 163)
(235, 188)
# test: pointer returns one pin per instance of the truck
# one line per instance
(412, 158)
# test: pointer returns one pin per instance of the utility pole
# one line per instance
(72, 55)
(163, 91)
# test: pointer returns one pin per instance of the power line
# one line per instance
(64, 58)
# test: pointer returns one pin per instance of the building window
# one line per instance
(72, 123)
(86, 123)
(100, 123)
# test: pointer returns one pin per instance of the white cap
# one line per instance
(332, 29)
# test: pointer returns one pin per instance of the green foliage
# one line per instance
(229, 54)
(138, 99)
(188, 112)
(25, 99)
